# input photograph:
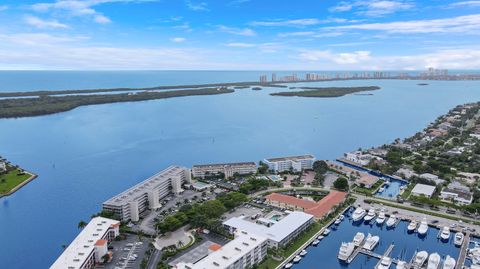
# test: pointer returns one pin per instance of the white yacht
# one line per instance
(459, 239)
(303, 253)
(381, 189)
(423, 228)
(449, 263)
(384, 263)
(381, 218)
(358, 214)
(371, 214)
(371, 242)
(337, 221)
(288, 265)
(420, 259)
(326, 232)
(358, 239)
(412, 226)
(433, 261)
(445, 234)
(346, 249)
(320, 237)
(297, 259)
(315, 242)
(391, 221)
(401, 265)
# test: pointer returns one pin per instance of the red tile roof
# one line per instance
(318, 209)
(101, 242)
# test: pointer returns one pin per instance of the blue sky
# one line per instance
(239, 34)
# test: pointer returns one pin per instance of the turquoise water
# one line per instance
(325, 254)
(86, 155)
(392, 190)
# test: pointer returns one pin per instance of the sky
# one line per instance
(239, 34)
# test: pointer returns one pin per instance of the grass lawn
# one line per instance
(371, 190)
(10, 180)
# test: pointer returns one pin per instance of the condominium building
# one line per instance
(295, 163)
(147, 194)
(227, 169)
(278, 233)
(90, 246)
(245, 251)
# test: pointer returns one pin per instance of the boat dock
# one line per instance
(463, 251)
(370, 253)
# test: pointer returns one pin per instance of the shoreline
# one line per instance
(19, 186)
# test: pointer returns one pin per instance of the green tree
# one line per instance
(341, 184)
(81, 224)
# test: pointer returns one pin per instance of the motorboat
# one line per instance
(401, 265)
(371, 242)
(320, 237)
(382, 189)
(474, 255)
(445, 234)
(326, 232)
(297, 259)
(412, 226)
(459, 237)
(358, 239)
(391, 221)
(423, 228)
(288, 265)
(433, 261)
(341, 217)
(384, 263)
(303, 253)
(338, 221)
(371, 214)
(449, 263)
(420, 259)
(346, 249)
(358, 214)
(315, 242)
(381, 218)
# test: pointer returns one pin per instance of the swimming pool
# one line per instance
(325, 254)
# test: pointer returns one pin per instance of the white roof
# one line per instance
(278, 231)
(143, 187)
(78, 251)
(426, 190)
(229, 253)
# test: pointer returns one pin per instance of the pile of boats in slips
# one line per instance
(359, 240)
(304, 252)
(433, 261)
(474, 255)
(362, 214)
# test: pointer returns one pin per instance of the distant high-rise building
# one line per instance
(274, 77)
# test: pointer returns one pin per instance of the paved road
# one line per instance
(154, 259)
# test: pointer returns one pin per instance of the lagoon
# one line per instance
(86, 155)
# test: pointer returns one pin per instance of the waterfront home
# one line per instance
(3, 167)
(423, 190)
(246, 250)
(360, 158)
(469, 178)
(366, 180)
(405, 173)
(90, 246)
(293, 163)
(226, 169)
(318, 209)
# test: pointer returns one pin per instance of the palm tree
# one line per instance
(81, 224)
(180, 243)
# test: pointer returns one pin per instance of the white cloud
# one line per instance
(201, 6)
(461, 24)
(299, 22)
(236, 31)
(466, 4)
(304, 33)
(3, 7)
(241, 45)
(339, 58)
(43, 24)
(80, 8)
(178, 39)
(373, 8)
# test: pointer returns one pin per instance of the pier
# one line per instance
(370, 253)
(463, 251)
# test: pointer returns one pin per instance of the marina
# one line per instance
(346, 247)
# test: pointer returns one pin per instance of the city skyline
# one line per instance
(239, 35)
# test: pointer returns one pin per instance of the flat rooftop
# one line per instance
(291, 158)
(278, 231)
(149, 184)
(78, 251)
(221, 165)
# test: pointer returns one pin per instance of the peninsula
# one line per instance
(47, 104)
(325, 92)
(12, 178)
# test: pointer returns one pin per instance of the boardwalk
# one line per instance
(463, 252)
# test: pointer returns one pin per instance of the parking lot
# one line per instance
(127, 253)
(246, 210)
